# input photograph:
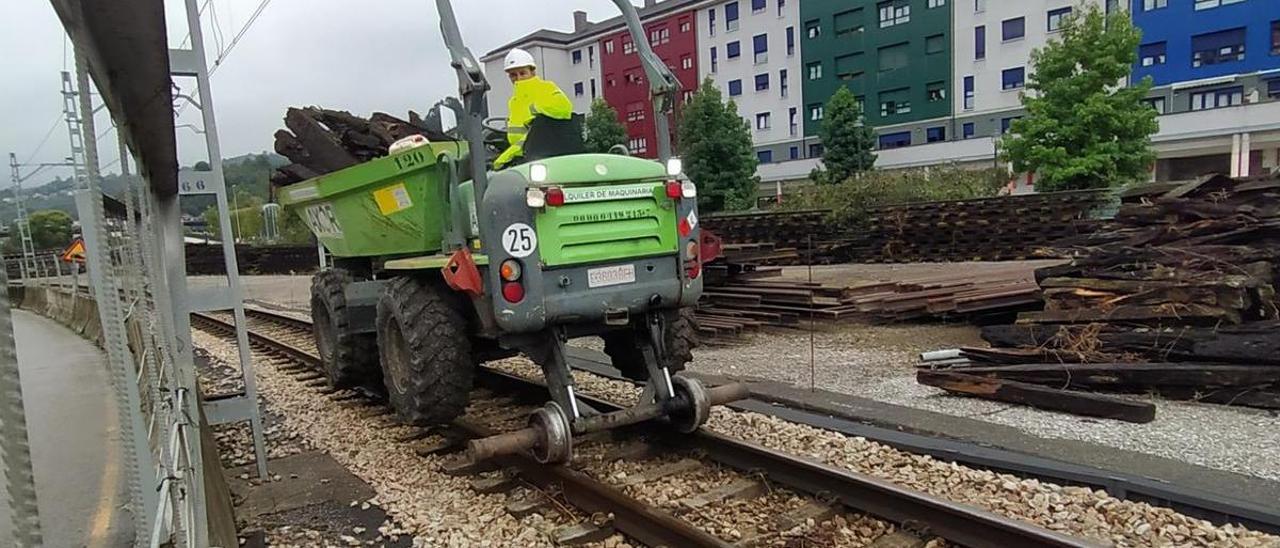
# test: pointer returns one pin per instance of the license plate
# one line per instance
(611, 275)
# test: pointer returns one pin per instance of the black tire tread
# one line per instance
(681, 338)
(355, 356)
(435, 334)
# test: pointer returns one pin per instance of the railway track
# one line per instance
(726, 492)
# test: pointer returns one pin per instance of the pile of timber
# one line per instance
(1003, 228)
(988, 291)
(319, 140)
(1176, 297)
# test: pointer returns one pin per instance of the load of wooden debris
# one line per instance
(1176, 296)
(320, 141)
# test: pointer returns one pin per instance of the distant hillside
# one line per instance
(246, 173)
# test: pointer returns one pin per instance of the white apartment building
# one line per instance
(751, 50)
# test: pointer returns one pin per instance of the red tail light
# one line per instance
(513, 292)
(555, 196)
(694, 269)
(673, 190)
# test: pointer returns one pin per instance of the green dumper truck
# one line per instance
(441, 264)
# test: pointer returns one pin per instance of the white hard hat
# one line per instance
(517, 58)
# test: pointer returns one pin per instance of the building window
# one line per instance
(635, 78)
(686, 62)
(936, 91)
(979, 6)
(711, 22)
(791, 41)
(1006, 124)
(578, 89)
(934, 44)
(895, 140)
(758, 6)
(848, 23)
(793, 126)
(979, 42)
(894, 12)
(966, 130)
(762, 121)
(847, 66)
(1156, 104)
(812, 29)
(591, 56)
(1206, 4)
(781, 4)
(628, 48)
(1275, 38)
(687, 95)
(608, 46)
(895, 101)
(1151, 54)
(1273, 88)
(714, 61)
(1217, 47)
(815, 70)
(610, 80)
(731, 17)
(935, 134)
(1056, 17)
(593, 88)
(735, 88)
(1013, 78)
(1013, 29)
(760, 47)
(793, 153)
(635, 112)
(685, 25)
(764, 156)
(762, 82)
(659, 36)
(968, 93)
(815, 112)
(1148, 5)
(936, 3)
(638, 145)
(783, 85)
(815, 150)
(577, 56)
(1217, 98)
(733, 49)
(894, 57)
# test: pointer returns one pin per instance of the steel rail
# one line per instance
(956, 522)
(638, 520)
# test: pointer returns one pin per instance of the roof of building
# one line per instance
(591, 28)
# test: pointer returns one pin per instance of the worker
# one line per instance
(531, 96)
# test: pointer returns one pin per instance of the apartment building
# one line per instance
(1216, 69)
(750, 48)
(939, 80)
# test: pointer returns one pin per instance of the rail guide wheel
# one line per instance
(691, 406)
(555, 443)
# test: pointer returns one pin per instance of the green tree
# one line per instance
(603, 130)
(847, 141)
(1084, 128)
(715, 143)
(246, 218)
(50, 229)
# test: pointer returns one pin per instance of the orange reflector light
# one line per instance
(510, 270)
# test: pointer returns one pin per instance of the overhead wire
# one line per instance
(44, 140)
(236, 40)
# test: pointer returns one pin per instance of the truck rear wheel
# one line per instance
(424, 350)
(623, 347)
(348, 359)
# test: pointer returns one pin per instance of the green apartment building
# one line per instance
(895, 55)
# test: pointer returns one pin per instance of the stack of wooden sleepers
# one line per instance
(319, 141)
(1178, 296)
(991, 289)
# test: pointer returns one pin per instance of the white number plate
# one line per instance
(611, 275)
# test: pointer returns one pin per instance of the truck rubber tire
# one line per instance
(681, 338)
(424, 350)
(347, 359)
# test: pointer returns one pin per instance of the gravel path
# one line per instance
(1080, 511)
(877, 362)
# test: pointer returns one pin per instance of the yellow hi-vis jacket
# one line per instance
(531, 96)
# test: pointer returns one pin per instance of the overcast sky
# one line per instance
(360, 56)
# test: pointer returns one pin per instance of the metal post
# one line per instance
(133, 437)
(24, 228)
(15, 453)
